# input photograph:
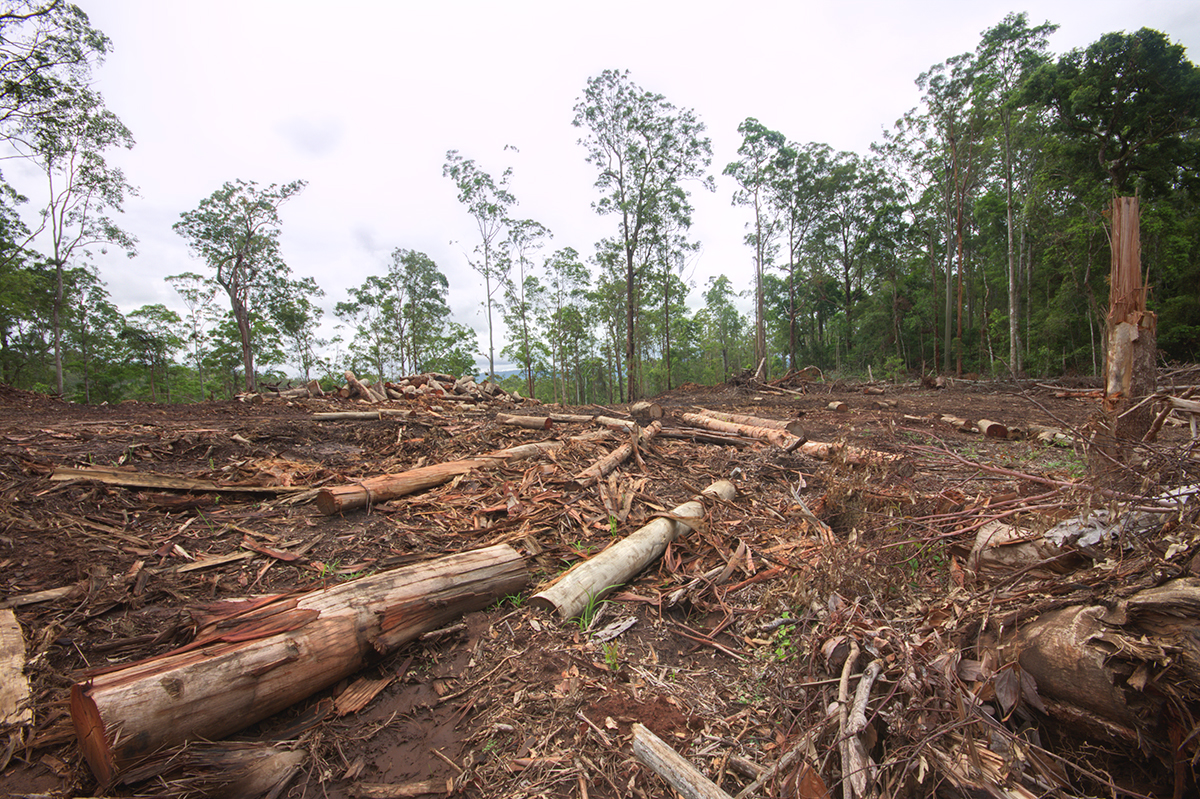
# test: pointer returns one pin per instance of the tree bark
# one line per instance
(270, 655)
(793, 426)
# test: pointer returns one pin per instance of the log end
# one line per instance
(327, 503)
(92, 736)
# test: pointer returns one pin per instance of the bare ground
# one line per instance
(513, 702)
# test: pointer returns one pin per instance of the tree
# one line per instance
(297, 317)
(487, 202)
(796, 189)
(761, 151)
(646, 150)
(1007, 55)
(724, 320)
(199, 295)
(568, 282)
(153, 337)
(1131, 101)
(47, 50)
(235, 231)
(525, 236)
(67, 146)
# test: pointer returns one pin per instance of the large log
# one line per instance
(340, 499)
(780, 438)
(646, 410)
(609, 462)
(590, 579)
(793, 426)
(242, 669)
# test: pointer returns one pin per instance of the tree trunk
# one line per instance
(1130, 365)
(779, 438)
(271, 654)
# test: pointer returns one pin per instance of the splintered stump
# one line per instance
(272, 653)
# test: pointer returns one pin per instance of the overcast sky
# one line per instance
(363, 99)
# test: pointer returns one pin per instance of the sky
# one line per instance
(363, 99)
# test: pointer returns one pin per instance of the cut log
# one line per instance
(959, 424)
(992, 429)
(528, 422)
(792, 426)
(624, 424)
(592, 578)
(780, 438)
(610, 461)
(314, 388)
(837, 406)
(340, 499)
(249, 666)
(664, 761)
(646, 410)
(1051, 435)
(571, 417)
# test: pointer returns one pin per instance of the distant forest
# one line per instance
(971, 239)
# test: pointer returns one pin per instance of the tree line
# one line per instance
(970, 239)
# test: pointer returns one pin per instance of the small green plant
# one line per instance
(782, 643)
(590, 609)
(612, 656)
(612, 526)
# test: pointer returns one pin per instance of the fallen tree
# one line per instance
(270, 654)
(610, 461)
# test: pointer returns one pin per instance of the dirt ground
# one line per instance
(512, 701)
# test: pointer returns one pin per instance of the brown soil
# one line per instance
(513, 702)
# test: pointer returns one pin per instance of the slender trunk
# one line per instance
(58, 301)
(1014, 289)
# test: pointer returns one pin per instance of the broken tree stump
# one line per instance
(590, 579)
(364, 391)
(340, 499)
(246, 667)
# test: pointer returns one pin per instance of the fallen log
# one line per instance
(837, 406)
(793, 426)
(363, 416)
(655, 754)
(340, 499)
(780, 438)
(528, 422)
(248, 666)
(609, 462)
(1051, 435)
(624, 424)
(590, 579)
(571, 417)
(959, 424)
